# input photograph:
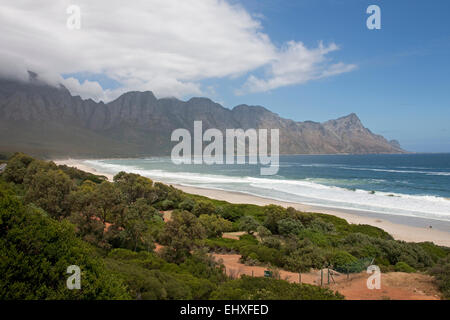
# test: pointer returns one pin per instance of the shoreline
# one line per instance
(399, 230)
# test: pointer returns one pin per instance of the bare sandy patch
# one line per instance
(167, 215)
(394, 285)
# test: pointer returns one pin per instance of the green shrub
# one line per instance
(289, 226)
(403, 267)
(441, 272)
(305, 258)
(258, 288)
(248, 224)
(166, 205)
(435, 252)
(263, 232)
(187, 204)
(203, 207)
(320, 225)
(340, 259)
(214, 225)
(317, 238)
(264, 254)
(248, 239)
(35, 252)
(17, 167)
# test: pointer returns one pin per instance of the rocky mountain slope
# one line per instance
(49, 121)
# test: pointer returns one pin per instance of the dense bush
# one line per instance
(248, 224)
(179, 235)
(203, 207)
(249, 288)
(49, 190)
(150, 277)
(187, 204)
(441, 272)
(341, 259)
(403, 267)
(68, 212)
(214, 225)
(35, 252)
(17, 167)
(289, 226)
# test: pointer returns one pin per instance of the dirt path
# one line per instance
(233, 235)
(158, 247)
(236, 269)
(167, 215)
(394, 285)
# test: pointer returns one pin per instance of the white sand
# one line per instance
(398, 231)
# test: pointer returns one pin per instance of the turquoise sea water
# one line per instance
(412, 185)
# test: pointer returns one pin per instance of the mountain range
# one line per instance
(47, 121)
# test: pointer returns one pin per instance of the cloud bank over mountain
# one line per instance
(167, 46)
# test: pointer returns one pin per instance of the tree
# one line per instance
(263, 232)
(441, 272)
(248, 224)
(203, 207)
(215, 225)
(35, 167)
(134, 186)
(161, 190)
(17, 166)
(229, 211)
(36, 250)
(49, 191)
(289, 226)
(84, 214)
(274, 214)
(108, 200)
(187, 204)
(180, 233)
(135, 233)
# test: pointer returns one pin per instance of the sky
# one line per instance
(302, 59)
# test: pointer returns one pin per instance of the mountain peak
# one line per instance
(137, 123)
(137, 97)
(201, 101)
(350, 121)
(245, 107)
(351, 117)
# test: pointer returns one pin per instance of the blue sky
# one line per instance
(401, 88)
(303, 59)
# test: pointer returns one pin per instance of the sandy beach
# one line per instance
(398, 231)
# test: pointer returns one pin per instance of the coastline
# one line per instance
(400, 231)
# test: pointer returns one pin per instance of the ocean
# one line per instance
(407, 185)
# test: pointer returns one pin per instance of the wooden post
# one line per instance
(328, 275)
(252, 273)
(300, 278)
(321, 277)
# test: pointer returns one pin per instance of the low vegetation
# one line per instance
(55, 216)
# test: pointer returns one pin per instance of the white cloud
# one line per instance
(296, 64)
(167, 46)
(87, 89)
